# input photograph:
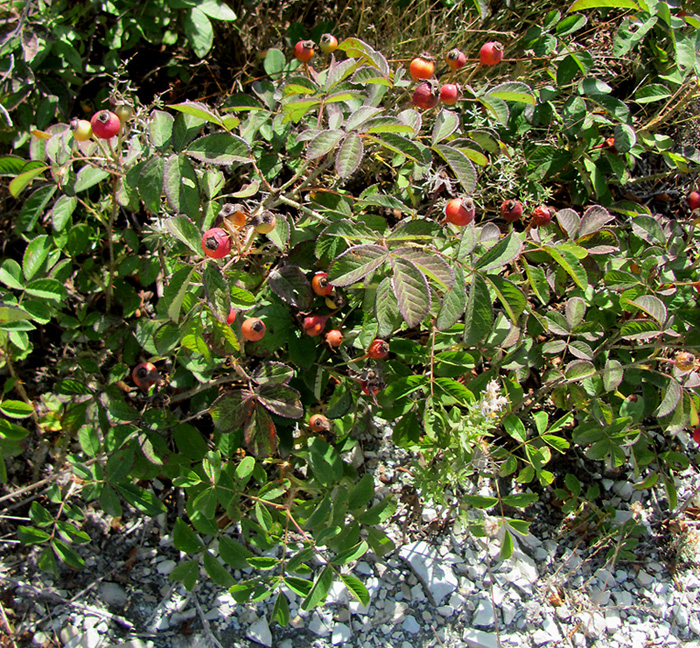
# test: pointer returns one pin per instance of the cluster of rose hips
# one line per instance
(304, 50)
(104, 124)
(461, 212)
(421, 68)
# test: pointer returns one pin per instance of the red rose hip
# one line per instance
(425, 96)
(460, 211)
(105, 124)
(511, 210)
(491, 53)
(216, 243)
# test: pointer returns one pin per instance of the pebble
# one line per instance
(410, 624)
(164, 567)
(112, 594)
(319, 625)
(480, 639)
(485, 614)
(548, 633)
(341, 634)
(436, 575)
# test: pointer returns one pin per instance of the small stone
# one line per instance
(548, 633)
(165, 567)
(112, 594)
(68, 633)
(40, 638)
(433, 571)
(623, 598)
(318, 625)
(341, 634)
(89, 639)
(508, 610)
(410, 624)
(480, 639)
(364, 569)
(446, 611)
(644, 579)
(613, 622)
(260, 632)
(417, 593)
(485, 614)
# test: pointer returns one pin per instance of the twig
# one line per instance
(205, 623)
(10, 631)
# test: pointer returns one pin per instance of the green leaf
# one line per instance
(513, 91)
(325, 142)
(217, 10)
(325, 462)
(650, 93)
(186, 573)
(150, 184)
(460, 164)
(349, 155)
(260, 433)
(411, 289)
(319, 590)
(233, 553)
(199, 31)
(230, 410)
(583, 5)
(507, 545)
(478, 317)
(35, 255)
(88, 177)
(362, 492)
(30, 535)
(141, 499)
(356, 588)
(180, 186)
(454, 302)
(479, 501)
(652, 306)
(281, 400)
(505, 251)
(23, 180)
(217, 572)
(176, 290)
(185, 539)
(521, 500)
(568, 261)
(220, 149)
(67, 554)
(291, 285)
(509, 295)
(672, 397)
(355, 264)
(351, 554)
(216, 291)
(446, 123)
(280, 610)
(16, 409)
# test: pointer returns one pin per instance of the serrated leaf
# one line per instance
(180, 185)
(355, 264)
(386, 308)
(260, 433)
(281, 400)
(186, 573)
(233, 553)
(579, 370)
(216, 291)
(652, 306)
(272, 373)
(351, 554)
(513, 91)
(230, 410)
(612, 374)
(16, 409)
(505, 251)
(568, 261)
(460, 164)
(349, 155)
(497, 107)
(23, 180)
(672, 396)
(478, 317)
(325, 462)
(432, 266)
(220, 149)
(509, 295)
(446, 123)
(593, 220)
(291, 285)
(325, 142)
(141, 499)
(453, 303)
(183, 229)
(412, 291)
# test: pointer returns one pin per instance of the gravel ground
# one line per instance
(437, 589)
